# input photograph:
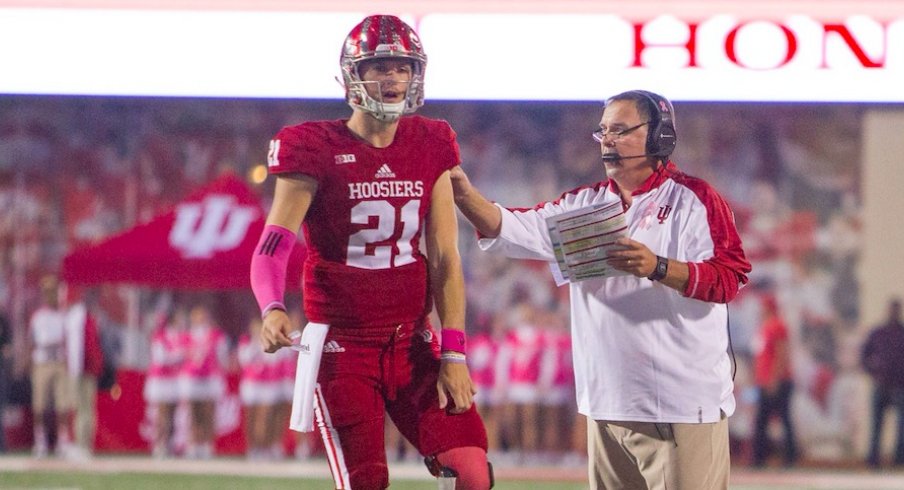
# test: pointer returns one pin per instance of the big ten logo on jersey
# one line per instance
(213, 225)
(344, 158)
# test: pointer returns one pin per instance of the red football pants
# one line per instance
(366, 372)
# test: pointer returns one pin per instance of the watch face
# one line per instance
(662, 267)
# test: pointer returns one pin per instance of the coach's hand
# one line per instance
(455, 382)
(275, 331)
(461, 185)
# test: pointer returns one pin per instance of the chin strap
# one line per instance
(357, 98)
(379, 110)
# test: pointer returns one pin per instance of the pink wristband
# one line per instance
(454, 340)
(268, 267)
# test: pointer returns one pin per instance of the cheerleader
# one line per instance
(202, 380)
(169, 345)
(261, 389)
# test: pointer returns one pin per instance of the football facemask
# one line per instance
(382, 36)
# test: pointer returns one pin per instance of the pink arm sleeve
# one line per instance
(268, 267)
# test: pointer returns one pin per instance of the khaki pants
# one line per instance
(47, 378)
(642, 455)
(85, 411)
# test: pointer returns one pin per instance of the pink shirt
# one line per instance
(168, 348)
(557, 364)
(482, 354)
(525, 342)
(257, 365)
(207, 351)
(771, 333)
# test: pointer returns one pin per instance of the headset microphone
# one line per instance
(611, 157)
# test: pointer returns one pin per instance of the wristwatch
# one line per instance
(661, 269)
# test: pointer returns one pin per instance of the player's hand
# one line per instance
(275, 331)
(454, 385)
(633, 257)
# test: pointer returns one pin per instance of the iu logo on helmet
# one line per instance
(214, 225)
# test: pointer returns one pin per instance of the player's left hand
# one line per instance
(454, 385)
(275, 331)
(633, 257)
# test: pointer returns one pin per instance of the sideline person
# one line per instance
(652, 369)
(883, 358)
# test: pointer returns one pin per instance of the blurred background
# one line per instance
(115, 133)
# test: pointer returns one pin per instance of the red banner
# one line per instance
(126, 424)
(120, 429)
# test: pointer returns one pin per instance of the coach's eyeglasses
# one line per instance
(599, 135)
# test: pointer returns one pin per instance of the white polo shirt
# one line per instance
(48, 334)
(644, 352)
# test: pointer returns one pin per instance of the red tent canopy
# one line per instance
(205, 242)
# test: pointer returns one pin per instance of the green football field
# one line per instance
(82, 480)
(66, 480)
(139, 472)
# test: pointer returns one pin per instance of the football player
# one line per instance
(364, 190)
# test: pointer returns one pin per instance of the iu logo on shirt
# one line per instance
(214, 225)
(664, 212)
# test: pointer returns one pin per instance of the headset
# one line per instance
(661, 135)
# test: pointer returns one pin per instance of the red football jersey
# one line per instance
(364, 266)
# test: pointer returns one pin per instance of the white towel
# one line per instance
(310, 348)
(76, 318)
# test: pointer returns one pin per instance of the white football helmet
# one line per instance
(382, 36)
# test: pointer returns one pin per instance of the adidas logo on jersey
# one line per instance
(385, 172)
(332, 346)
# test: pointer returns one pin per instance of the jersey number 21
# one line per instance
(383, 255)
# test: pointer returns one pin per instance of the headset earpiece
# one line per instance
(661, 134)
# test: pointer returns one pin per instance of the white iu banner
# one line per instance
(527, 50)
(216, 224)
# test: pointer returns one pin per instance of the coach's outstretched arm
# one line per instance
(484, 215)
